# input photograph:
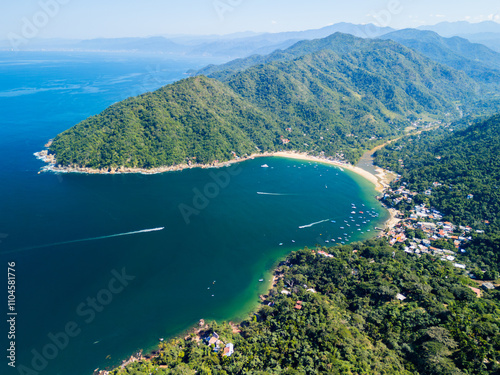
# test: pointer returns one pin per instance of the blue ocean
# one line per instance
(105, 265)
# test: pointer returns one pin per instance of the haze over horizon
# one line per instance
(71, 19)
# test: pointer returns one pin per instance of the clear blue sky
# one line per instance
(117, 18)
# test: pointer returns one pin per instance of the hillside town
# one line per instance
(421, 227)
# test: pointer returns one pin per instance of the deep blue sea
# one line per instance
(106, 265)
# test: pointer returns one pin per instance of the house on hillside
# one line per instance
(228, 350)
(400, 297)
(488, 286)
(214, 340)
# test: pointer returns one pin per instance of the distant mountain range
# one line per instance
(245, 44)
(478, 61)
(229, 46)
(487, 32)
(448, 29)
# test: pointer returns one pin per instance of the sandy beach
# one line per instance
(378, 181)
(393, 220)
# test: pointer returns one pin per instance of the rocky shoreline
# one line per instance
(52, 166)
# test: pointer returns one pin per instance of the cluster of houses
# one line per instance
(213, 339)
(429, 225)
(429, 222)
(422, 124)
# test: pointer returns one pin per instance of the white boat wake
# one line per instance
(261, 193)
(312, 224)
(87, 239)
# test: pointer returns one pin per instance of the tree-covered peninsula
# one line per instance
(336, 96)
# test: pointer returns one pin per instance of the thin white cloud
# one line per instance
(482, 17)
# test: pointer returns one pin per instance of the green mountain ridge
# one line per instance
(337, 42)
(478, 61)
(338, 96)
(341, 44)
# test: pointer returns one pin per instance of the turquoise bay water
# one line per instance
(207, 260)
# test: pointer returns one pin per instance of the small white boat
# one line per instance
(261, 280)
(264, 166)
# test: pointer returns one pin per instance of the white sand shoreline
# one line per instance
(378, 181)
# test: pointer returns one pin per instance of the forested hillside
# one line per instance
(345, 96)
(367, 310)
(466, 164)
(199, 118)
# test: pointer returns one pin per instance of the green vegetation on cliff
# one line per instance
(197, 118)
(339, 96)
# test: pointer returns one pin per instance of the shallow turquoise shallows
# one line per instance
(108, 264)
